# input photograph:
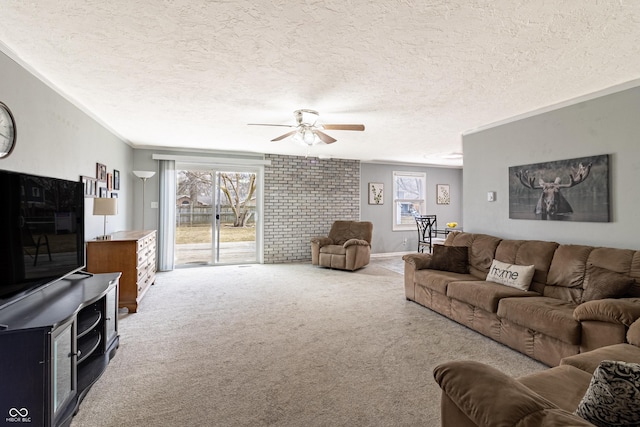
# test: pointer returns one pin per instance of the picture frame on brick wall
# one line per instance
(376, 193)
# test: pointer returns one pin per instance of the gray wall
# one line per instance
(55, 138)
(605, 125)
(385, 240)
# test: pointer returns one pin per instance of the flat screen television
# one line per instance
(41, 232)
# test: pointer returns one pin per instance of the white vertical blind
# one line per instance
(166, 226)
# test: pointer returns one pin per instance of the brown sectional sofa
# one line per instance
(478, 395)
(548, 322)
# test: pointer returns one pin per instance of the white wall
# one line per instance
(55, 138)
(608, 124)
(385, 240)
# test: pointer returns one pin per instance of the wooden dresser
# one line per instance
(131, 252)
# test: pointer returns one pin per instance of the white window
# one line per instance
(409, 199)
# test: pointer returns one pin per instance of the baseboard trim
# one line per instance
(387, 254)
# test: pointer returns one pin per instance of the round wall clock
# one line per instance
(7, 131)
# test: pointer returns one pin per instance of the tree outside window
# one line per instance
(409, 199)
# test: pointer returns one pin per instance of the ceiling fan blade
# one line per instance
(325, 138)
(268, 124)
(343, 127)
(284, 136)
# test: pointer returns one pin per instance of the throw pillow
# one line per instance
(602, 283)
(450, 258)
(613, 396)
(516, 276)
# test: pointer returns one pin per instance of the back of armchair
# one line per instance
(341, 231)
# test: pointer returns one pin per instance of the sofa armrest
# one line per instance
(419, 261)
(633, 334)
(355, 242)
(624, 311)
(322, 241)
(488, 397)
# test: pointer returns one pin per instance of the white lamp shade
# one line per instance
(144, 174)
(105, 206)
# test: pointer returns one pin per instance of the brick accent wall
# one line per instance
(302, 198)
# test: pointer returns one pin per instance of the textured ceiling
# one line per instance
(417, 74)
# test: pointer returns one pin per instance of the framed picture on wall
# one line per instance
(443, 195)
(116, 179)
(561, 190)
(90, 185)
(101, 172)
(376, 193)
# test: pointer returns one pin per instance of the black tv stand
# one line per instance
(57, 342)
(84, 273)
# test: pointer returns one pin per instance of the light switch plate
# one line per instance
(491, 196)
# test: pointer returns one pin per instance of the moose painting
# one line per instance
(562, 190)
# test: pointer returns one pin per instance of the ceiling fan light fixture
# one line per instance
(309, 137)
(306, 137)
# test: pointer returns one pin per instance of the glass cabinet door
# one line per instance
(111, 316)
(63, 366)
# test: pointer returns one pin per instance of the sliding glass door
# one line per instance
(216, 216)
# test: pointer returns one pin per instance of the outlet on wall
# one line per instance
(404, 242)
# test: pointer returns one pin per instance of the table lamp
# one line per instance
(105, 206)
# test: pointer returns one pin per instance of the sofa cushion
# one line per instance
(564, 386)
(483, 294)
(550, 316)
(450, 258)
(566, 274)
(437, 280)
(601, 283)
(590, 360)
(613, 395)
(515, 276)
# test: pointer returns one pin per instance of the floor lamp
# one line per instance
(144, 176)
(105, 206)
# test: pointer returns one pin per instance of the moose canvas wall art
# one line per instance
(562, 190)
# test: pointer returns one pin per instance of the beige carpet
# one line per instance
(283, 345)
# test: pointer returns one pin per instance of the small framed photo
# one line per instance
(103, 192)
(443, 196)
(116, 179)
(114, 195)
(109, 181)
(376, 193)
(89, 185)
(101, 172)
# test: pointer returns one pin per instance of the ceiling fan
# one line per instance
(308, 131)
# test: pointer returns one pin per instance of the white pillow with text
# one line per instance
(516, 276)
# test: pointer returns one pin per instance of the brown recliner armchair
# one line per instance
(348, 246)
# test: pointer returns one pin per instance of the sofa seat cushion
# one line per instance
(483, 294)
(550, 316)
(590, 360)
(438, 280)
(564, 386)
(333, 250)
